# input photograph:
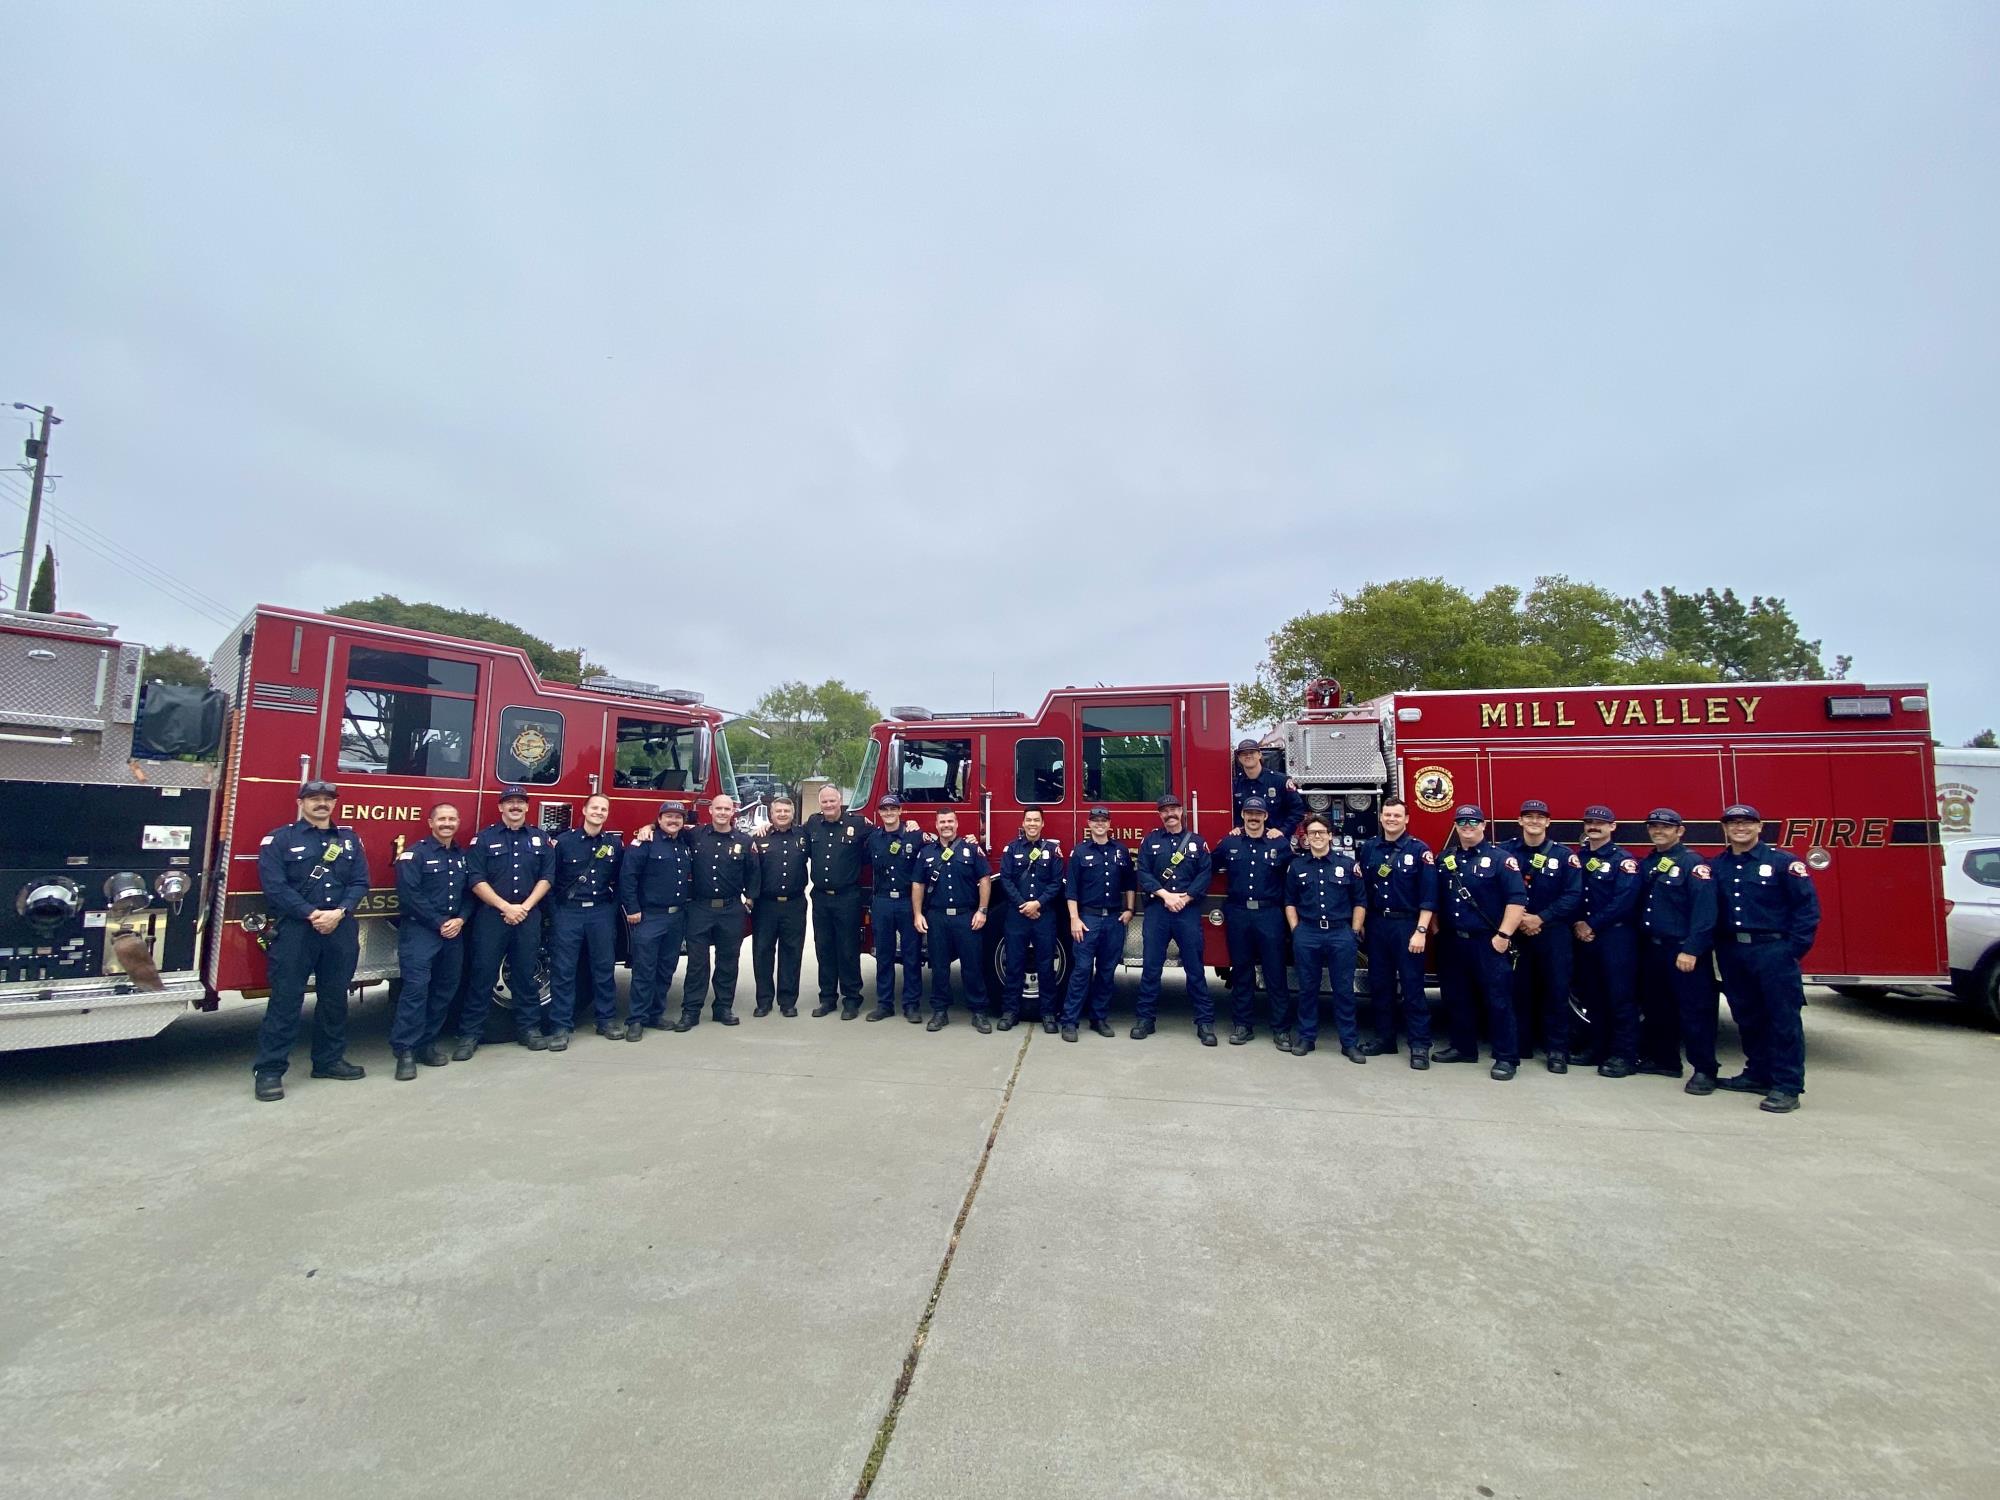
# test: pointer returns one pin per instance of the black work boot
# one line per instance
(688, 1021)
(763, 1008)
(825, 1008)
(1778, 1102)
(1205, 1035)
(268, 1086)
(727, 1017)
(939, 1020)
(1419, 1060)
(982, 1023)
(433, 1056)
(1102, 1028)
(635, 1030)
(881, 1013)
(467, 1045)
(1007, 1020)
(1238, 1035)
(1557, 1062)
(1140, 1030)
(1614, 1067)
(340, 1070)
(1379, 1048)
(406, 1067)
(1700, 1083)
(534, 1041)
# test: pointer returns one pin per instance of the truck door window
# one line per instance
(1128, 752)
(936, 770)
(530, 749)
(1038, 771)
(657, 757)
(864, 779)
(404, 714)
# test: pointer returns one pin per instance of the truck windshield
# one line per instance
(857, 796)
(725, 768)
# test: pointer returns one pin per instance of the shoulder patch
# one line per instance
(265, 840)
(1513, 863)
(1575, 863)
(1799, 868)
(1700, 872)
(1429, 858)
(1629, 866)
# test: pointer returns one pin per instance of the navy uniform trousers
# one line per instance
(1183, 929)
(1767, 996)
(656, 953)
(431, 967)
(1676, 1010)
(953, 938)
(584, 929)
(1332, 951)
(1607, 970)
(1096, 961)
(1394, 969)
(1257, 941)
(298, 954)
(1541, 988)
(520, 946)
(895, 927)
(1472, 972)
(1016, 937)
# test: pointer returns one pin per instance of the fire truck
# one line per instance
(102, 847)
(1842, 772)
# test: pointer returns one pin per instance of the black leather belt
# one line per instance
(890, 895)
(576, 903)
(1251, 904)
(718, 902)
(1100, 911)
(1757, 937)
(957, 911)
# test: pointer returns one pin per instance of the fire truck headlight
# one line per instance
(126, 893)
(50, 901)
(1818, 858)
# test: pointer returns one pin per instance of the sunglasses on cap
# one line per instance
(318, 789)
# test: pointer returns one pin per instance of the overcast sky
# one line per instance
(960, 350)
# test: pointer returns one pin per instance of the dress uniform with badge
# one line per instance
(1099, 885)
(1030, 873)
(726, 883)
(1545, 944)
(1676, 973)
(1326, 901)
(307, 868)
(1767, 917)
(951, 889)
(1401, 872)
(778, 916)
(1252, 778)
(892, 856)
(1484, 899)
(1174, 872)
(837, 843)
(655, 880)
(511, 868)
(432, 901)
(1607, 946)
(1252, 865)
(586, 924)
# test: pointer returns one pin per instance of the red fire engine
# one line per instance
(1842, 772)
(399, 719)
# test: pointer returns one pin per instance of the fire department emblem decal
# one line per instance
(1955, 808)
(530, 747)
(1433, 788)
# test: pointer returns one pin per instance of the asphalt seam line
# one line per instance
(884, 1433)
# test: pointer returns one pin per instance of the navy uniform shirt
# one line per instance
(1287, 808)
(1031, 872)
(893, 856)
(1611, 886)
(1401, 875)
(1326, 889)
(1765, 890)
(511, 861)
(782, 863)
(950, 874)
(1480, 883)
(1174, 862)
(725, 864)
(1554, 877)
(655, 875)
(586, 866)
(1254, 869)
(838, 848)
(1680, 898)
(304, 869)
(431, 887)
(1100, 875)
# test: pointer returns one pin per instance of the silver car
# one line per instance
(1972, 923)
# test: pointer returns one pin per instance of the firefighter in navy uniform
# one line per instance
(1607, 943)
(837, 843)
(511, 868)
(1676, 975)
(431, 902)
(1554, 877)
(892, 854)
(654, 879)
(1099, 886)
(1283, 806)
(778, 915)
(1326, 903)
(1486, 898)
(585, 924)
(726, 882)
(314, 874)
(1252, 863)
(1767, 917)
(1030, 876)
(1174, 872)
(1401, 872)
(948, 896)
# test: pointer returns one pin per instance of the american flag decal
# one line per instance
(290, 700)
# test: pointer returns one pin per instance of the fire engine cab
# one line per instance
(1842, 773)
(98, 842)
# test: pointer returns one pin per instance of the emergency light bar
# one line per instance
(1858, 708)
(635, 689)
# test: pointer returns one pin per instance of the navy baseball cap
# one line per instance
(1167, 801)
(1468, 814)
(513, 793)
(674, 806)
(1244, 746)
(892, 800)
(317, 788)
(1256, 804)
(1534, 805)
(1663, 817)
(1597, 812)
(1100, 812)
(1741, 812)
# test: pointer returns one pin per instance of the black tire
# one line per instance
(1984, 1001)
(1030, 998)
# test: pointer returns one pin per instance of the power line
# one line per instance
(136, 560)
(163, 583)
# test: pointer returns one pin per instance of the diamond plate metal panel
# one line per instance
(90, 1015)
(1346, 753)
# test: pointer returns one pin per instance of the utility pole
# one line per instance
(38, 450)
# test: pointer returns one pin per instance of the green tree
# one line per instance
(1983, 740)
(177, 665)
(42, 595)
(554, 663)
(815, 731)
(1754, 642)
